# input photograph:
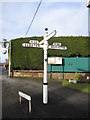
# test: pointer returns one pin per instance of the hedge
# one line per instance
(32, 58)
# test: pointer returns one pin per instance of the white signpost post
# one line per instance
(88, 5)
(44, 44)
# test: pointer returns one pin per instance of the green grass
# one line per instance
(84, 87)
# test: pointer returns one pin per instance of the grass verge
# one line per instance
(84, 87)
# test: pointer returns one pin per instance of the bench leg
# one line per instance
(29, 106)
(20, 99)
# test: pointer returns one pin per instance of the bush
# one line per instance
(78, 76)
(32, 58)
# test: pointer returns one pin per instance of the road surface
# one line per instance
(63, 102)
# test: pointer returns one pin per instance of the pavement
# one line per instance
(63, 102)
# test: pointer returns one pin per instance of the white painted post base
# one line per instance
(45, 93)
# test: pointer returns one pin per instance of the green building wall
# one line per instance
(72, 64)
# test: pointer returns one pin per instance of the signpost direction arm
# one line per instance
(51, 35)
(48, 37)
(32, 45)
(57, 48)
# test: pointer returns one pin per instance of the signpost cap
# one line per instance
(46, 29)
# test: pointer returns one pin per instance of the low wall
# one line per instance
(39, 74)
(27, 73)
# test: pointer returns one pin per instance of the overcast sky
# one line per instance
(68, 18)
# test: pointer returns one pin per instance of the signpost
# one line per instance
(44, 44)
(88, 5)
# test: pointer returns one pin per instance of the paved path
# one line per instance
(63, 102)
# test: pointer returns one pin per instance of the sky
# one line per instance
(67, 17)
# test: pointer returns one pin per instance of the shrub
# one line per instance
(32, 58)
(78, 76)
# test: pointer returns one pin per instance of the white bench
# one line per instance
(27, 97)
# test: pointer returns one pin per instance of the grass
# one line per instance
(84, 87)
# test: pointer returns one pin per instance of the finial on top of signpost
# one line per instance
(46, 29)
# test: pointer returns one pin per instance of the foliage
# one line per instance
(32, 58)
(78, 76)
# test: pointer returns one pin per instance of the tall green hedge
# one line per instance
(32, 58)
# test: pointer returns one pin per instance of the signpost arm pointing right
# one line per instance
(48, 36)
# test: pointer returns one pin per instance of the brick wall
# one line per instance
(39, 73)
